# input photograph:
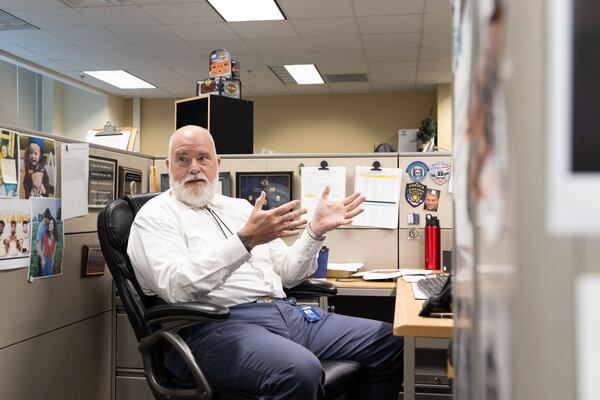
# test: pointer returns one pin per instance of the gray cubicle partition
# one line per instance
(56, 335)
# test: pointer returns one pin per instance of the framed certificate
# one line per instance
(277, 185)
(164, 182)
(225, 183)
(102, 181)
(130, 181)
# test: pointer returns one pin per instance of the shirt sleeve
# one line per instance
(180, 267)
(297, 262)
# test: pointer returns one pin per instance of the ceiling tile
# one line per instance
(392, 87)
(247, 60)
(390, 24)
(256, 71)
(351, 87)
(212, 31)
(396, 66)
(20, 51)
(335, 43)
(235, 46)
(173, 82)
(269, 90)
(438, 6)
(30, 4)
(32, 39)
(294, 9)
(263, 46)
(178, 49)
(138, 61)
(440, 65)
(194, 73)
(392, 55)
(441, 22)
(436, 39)
(404, 77)
(309, 89)
(54, 18)
(435, 53)
(434, 77)
(342, 68)
(90, 63)
(281, 58)
(146, 34)
(326, 27)
(252, 81)
(338, 56)
(154, 73)
(263, 29)
(388, 7)
(183, 13)
(87, 36)
(118, 16)
(63, 52)
(391, 41)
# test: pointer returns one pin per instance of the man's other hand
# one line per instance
(264, 226)
(331, 214)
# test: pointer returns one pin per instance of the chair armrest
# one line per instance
(182, 312)
(312, 288)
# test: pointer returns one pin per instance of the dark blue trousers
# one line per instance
(272, 350)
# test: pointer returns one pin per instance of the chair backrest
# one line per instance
(114, 224)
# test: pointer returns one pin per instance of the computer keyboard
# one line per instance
(431, 285)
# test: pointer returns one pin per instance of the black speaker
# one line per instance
(446, 260)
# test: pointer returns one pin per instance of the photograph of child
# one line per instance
(37, 167)
(47, 234)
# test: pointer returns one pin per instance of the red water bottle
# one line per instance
(432, 242)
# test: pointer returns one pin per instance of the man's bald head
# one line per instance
(188, 132)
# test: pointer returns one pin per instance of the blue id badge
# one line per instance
(310, 313)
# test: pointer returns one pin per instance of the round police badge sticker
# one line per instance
(415, 193)
(417, 171)
(440, 172)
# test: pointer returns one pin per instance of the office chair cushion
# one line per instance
(340, 375)
(118, 220)
(137, 201)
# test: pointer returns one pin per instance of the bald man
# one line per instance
(189, 244)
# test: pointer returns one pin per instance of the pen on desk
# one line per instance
(441, 315)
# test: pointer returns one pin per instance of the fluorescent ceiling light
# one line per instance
(305, 74)
(247, 10)
(120, 79)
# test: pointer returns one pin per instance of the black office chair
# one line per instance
(155, 322)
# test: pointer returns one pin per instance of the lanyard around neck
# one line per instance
(219, 222)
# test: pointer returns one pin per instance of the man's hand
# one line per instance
(264, 226)
(331, 214)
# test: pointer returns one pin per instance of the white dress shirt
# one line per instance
(185, 254)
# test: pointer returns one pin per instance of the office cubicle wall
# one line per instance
(56, 334)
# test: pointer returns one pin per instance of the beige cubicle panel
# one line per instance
(56, 332)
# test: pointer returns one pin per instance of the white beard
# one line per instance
(193, 196)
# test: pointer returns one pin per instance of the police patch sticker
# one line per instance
(440, 172)
(417, 171)
(415, 193)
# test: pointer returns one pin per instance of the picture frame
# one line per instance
(226, 183)
(130, 181)
(92, 261)
(164, 182)
(277, 185)
(102, 181)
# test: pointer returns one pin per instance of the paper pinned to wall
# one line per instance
(313, 183)
(381, 186)
(74, 170)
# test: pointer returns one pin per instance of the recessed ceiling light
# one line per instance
(305, 74)
(247, 10)
(120, 79)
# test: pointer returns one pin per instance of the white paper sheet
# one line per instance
(313, 183)
(382, 189)
(74, 179)
(115, 141)
(350, 267)
(390, 273)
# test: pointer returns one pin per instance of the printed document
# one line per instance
(382, 189)
(74, 169)
(313, 183)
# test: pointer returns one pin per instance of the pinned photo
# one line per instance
(47, 233)
(38, 167)
(432, 200)
(8, 164)
(15, 224)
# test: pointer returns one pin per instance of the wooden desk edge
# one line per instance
(407, 321)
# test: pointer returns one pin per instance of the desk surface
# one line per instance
(406, 316)
(362, 284)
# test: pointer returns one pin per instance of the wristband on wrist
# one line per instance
(313, 235)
